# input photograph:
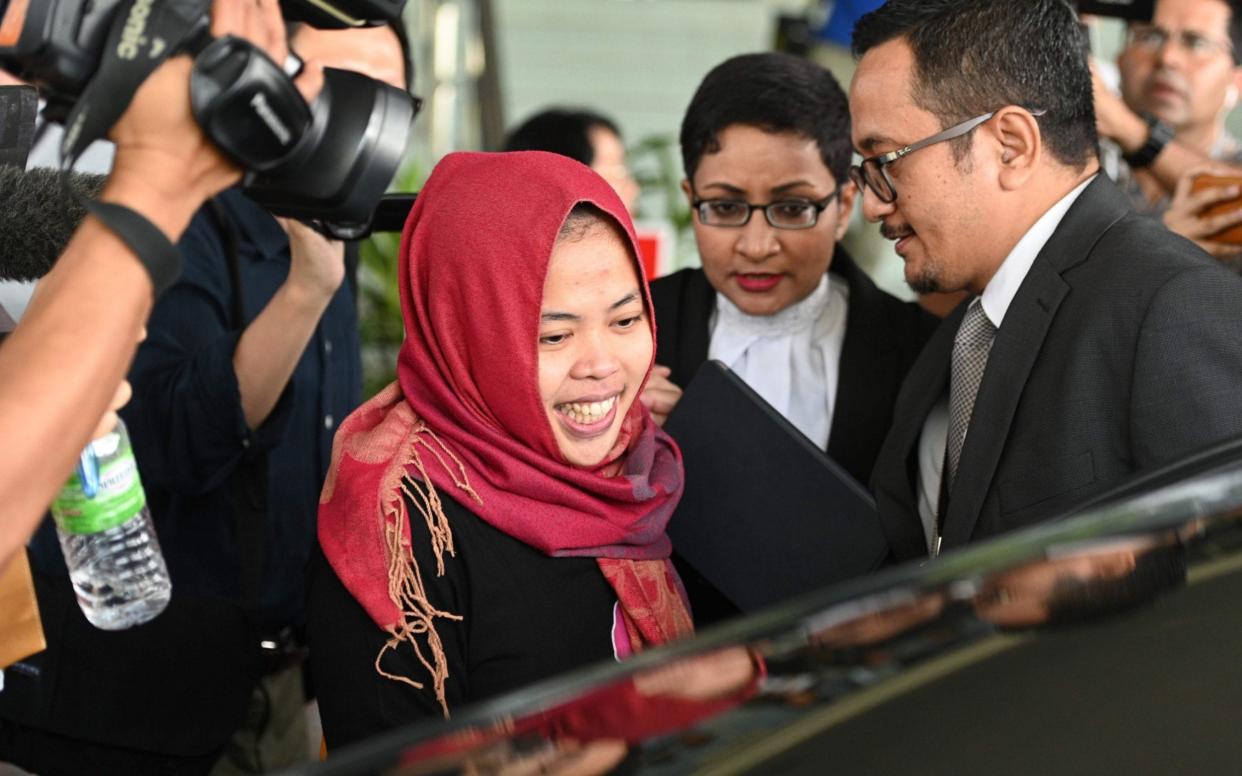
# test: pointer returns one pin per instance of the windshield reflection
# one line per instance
(724, 696)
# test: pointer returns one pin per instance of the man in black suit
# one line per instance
(765, 143)
(1097, 344)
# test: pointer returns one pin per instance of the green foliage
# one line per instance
(379, 306)
(656, 163)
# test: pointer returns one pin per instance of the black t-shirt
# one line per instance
(526, 616)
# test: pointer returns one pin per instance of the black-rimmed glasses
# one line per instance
(792, 213)
(871, 172)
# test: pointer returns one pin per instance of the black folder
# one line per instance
(766, 514)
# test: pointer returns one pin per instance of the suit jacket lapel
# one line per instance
(896, 485)
(1017, 347)
(1014, 352)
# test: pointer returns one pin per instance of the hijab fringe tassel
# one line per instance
(405, 579)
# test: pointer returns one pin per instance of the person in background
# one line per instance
(581, 135)
(497, 515)
(1180, 77)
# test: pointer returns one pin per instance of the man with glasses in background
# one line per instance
(1180, 78)
(1095, 345)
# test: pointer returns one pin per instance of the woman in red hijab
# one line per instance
(497, 515)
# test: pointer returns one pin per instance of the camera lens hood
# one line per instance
(349, 156)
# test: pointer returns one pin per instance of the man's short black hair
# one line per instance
(975, 56)
(564, 131)
(776, 93)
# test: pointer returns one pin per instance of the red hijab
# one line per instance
(465, 415)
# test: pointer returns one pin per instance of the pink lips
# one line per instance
(757, 282)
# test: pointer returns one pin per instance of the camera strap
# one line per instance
(143, 34)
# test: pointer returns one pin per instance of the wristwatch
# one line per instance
(1158, 136)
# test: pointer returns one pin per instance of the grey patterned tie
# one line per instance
(970, 358)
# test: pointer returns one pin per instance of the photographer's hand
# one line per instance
(270, 347)
(61, 367)
(165, 166)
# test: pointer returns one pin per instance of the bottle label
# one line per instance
(119, 498)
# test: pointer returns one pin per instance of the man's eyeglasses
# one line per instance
(781, 214)
(872, 173)
(1152, 39)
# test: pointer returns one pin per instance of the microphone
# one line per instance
(37, 218)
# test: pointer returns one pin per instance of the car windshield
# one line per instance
(1104, 641)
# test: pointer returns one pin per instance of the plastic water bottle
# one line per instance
(106, 535)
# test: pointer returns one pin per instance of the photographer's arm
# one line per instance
(61, 367)
(273, 343)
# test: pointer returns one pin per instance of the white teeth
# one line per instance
(587, 412)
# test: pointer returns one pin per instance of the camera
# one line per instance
(330, 161)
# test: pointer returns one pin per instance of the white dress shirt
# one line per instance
(792, 359)
(997, 296)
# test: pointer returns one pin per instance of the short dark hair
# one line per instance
(975, 56)
(774, 92)
(1079, 602)
(582, 220)
(564, 131)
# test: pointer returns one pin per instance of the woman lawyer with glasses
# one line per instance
(766, 149)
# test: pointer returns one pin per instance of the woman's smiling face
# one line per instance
(595, 343)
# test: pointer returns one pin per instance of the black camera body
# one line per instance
(331, 161)
(57, 45)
